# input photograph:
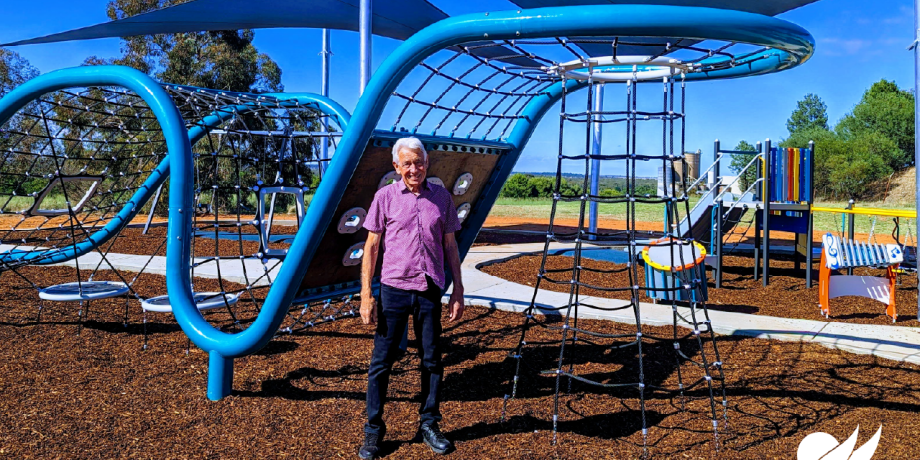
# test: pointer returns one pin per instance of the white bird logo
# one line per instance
(822, 446)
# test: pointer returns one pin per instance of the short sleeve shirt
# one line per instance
(413, 229)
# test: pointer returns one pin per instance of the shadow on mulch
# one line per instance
(786, 296)
(100, 395)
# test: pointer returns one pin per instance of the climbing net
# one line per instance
(73, 160)
(695, 355)
(478, 90)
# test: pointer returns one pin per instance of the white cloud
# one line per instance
(844, 46)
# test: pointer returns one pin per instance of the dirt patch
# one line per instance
(900, 189)
(786, 296)
(497, 230)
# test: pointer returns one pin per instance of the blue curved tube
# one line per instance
(160, 104)
(69, 78)
(327, 106)
(794, 46)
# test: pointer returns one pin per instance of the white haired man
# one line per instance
(416, 221)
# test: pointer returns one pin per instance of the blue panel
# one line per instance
(773, 178)
(786, 223)
(808, 159)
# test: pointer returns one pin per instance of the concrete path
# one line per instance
(231, 270)
(892, 342)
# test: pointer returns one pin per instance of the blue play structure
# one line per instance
(784, 176)
(473, 88)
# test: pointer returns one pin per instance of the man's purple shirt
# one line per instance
(413, 229)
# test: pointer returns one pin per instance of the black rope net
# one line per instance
(478, 90)
(694, 352)
(73, 159)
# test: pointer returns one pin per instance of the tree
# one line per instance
(224, 59)
(740, 161)
(889, 111)
(14, 70)
(845, 166)
(527, 186)
(810, 112)
(543, 186)
(517, 186)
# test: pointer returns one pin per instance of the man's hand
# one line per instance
(368, 309)
(368, 266)
(453, 259)
(456, 305)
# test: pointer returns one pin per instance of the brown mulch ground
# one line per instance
(19, 301)
(786, 296)
(98, 395)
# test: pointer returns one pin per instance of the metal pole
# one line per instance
(717, 180)
(809, 248)
(851, 230)
(365, 17)
(811, 215)
(324, 150)
(595, 163)
(758, 196)
(767, 183)
(916, 112)
(718, 234)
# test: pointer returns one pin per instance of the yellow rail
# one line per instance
(909, 214)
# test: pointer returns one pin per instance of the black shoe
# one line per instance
(370, 449)
(435, 439)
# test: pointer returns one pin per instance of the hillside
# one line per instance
(898, 190)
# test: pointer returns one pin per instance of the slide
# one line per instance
(698, 225)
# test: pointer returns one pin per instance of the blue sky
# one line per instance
(858, 43)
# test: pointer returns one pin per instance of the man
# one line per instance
(416, 221)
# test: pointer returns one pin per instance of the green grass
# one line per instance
(538, 209)
(825, 221)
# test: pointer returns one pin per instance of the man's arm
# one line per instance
(368, 267)
(453, 260)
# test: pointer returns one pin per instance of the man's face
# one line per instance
(412, 166)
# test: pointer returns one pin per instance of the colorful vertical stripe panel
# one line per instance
(790, 177)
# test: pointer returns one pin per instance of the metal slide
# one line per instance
(700, 219)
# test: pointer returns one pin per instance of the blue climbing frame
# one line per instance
(785, 45)
(791, 46)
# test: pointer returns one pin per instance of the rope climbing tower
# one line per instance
(693, 339)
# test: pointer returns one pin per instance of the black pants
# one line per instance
(396, 305)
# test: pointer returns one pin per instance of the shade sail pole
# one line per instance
(595, 163)
(917, 118)
(324, 150)
(364, 30)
